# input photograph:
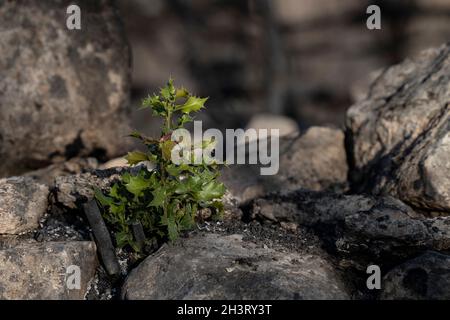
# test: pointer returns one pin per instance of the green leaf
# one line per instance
(166, 149)
(123, 238)
(187, 220)
(185, 118)
(101, 198)
(117, 209)
(135, 157)
(212, 190)
(181, 93)
(168, 92)
(145, 140)
(218, 205)
(190, 184)
(159, 197)
(154, 102)
(177, 170)
(114, 192)
(137, 184)
(172, 228)
(192, 104)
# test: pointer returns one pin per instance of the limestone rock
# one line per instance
(22, 203)
(40, 271)
(315, 160)
(212, 266)
(64, 93)
(400, 134)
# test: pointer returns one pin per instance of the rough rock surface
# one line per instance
(63, 92)
(212, 266)
(22, 203)
(73, 166)
(380, 227)
(38, 270)
(425, 277)
(400, 134)
(315, 160)
(72, 190)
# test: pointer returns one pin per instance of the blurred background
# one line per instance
(308, 60)
(286, 64)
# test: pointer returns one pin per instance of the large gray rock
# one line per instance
(40, 270)
(63, 92)
(425, 277)
(400, 133)
(212, 266)
(378, 227)
(22, 203)
(314, 160)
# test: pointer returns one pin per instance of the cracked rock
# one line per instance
(380, 226)
(399, 135)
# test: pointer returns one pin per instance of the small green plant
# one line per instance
(165, 200)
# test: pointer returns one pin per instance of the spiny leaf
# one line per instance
(159, 197)
(212, 190)
(192, 104)
(172, 228)
(168, 92)
(166, 149)
(181, 93)
(137, 184)
(135, 157)
(101, 198)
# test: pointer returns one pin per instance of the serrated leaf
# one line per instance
(168, 91)
(137, 184)
(172, 229)
(166, 149)
(159, 197)
(187, 220)
(114, 192)
(117, 209)
(185, 118)
(135, 157)
(123, 238)
(181, 93)
(101, 198)
(192, 104)
(211, 190)
(177, 170)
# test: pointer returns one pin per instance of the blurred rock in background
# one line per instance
(301, 58)
(63, 93)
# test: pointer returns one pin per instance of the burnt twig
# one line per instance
(102, 238)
